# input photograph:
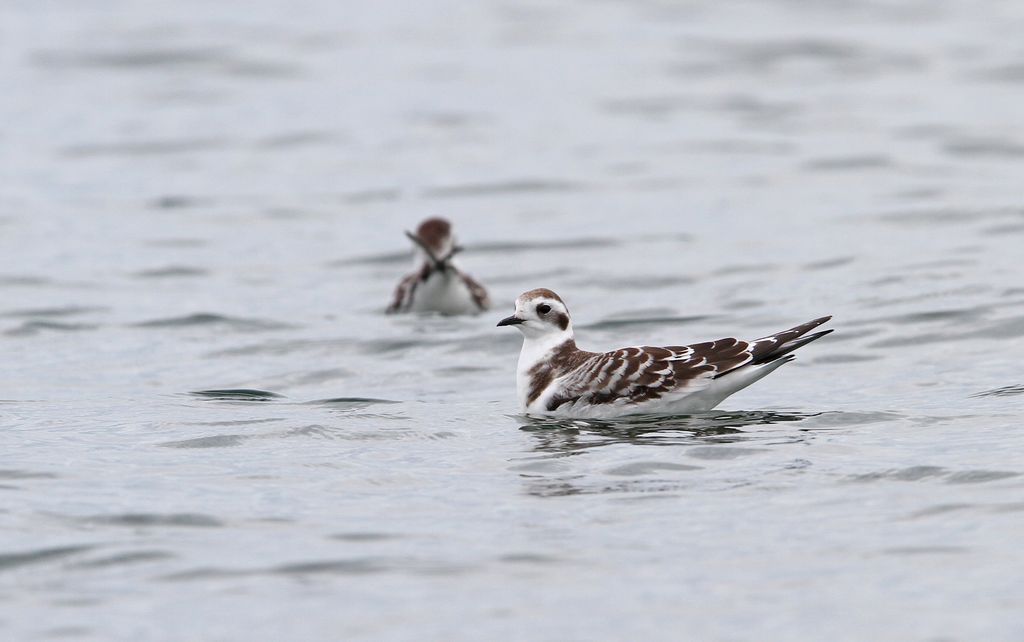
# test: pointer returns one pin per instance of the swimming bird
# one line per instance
(437, 284)
(555, 377)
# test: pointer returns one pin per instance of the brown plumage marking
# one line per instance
(403, 293)
(639, 374)
(781, 343)
(433, 232)
(634, 375)
(406, 289)
(477, 291)
(564, 358)
(541, 293)
(540, 378)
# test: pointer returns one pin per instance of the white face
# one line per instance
(539, 316)
(441, 249)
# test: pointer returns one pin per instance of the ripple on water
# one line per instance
(237, 394)
(284, 347)
(235, 422)
(123, 559)
(32, 328)
(1005, 391)
(364, 536)
(211, 319)
(131, 58)
(9, 473)
(849, 163)
(647, 468)
(615, 282)
(213, 441)
(14, 560)
(61, 311)
(979, 476)
(920, 473)
(528, 558)
(298, 139)
(985, 148)
(925, 550)
(177, 201)
(943, 509)
(307, 377)
(1000, 329)
(352, 402)
(350, 566)
(405, 434)
(940, 509)
(491, 247)
(145, 147)
(211, 60)
(171, 272)
(828, 264)
(845, 358)
(913, 473)
(1000, 230)
(951, 315)
(842, 419)
(1011, 73)
(723, 452)
(511, 187)
(155, 519)
(945, 216)
(373, 196)
(7, 280)
(616, 323)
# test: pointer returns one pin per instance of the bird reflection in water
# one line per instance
(573, 436)
(552, 469)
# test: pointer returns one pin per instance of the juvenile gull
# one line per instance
(437, 284)
(556, 377)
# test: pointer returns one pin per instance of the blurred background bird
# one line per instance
(437, 284)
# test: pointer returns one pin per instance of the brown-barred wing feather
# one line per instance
(477, 291)
(633, 375)
(404, 292)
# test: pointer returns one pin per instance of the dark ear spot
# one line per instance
(562, 320)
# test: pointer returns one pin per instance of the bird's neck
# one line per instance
(427, 268)
(540, 353)
(539, 347)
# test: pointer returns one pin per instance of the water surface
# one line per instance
(211, 431)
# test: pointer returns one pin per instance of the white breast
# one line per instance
(443, 292)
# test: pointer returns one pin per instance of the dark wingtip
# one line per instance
(818, 335)
(779, 351)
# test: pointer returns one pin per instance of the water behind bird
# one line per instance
(210, 429)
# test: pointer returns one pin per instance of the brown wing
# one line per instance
(632, 375)
(404, 291)
(477, 291)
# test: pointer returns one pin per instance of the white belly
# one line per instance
(444, 293)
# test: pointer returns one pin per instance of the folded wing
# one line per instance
(634, 375)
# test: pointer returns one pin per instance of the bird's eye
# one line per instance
(543, 308)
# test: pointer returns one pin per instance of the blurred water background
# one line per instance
(210, 196)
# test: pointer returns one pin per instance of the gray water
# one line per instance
(210, 196)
